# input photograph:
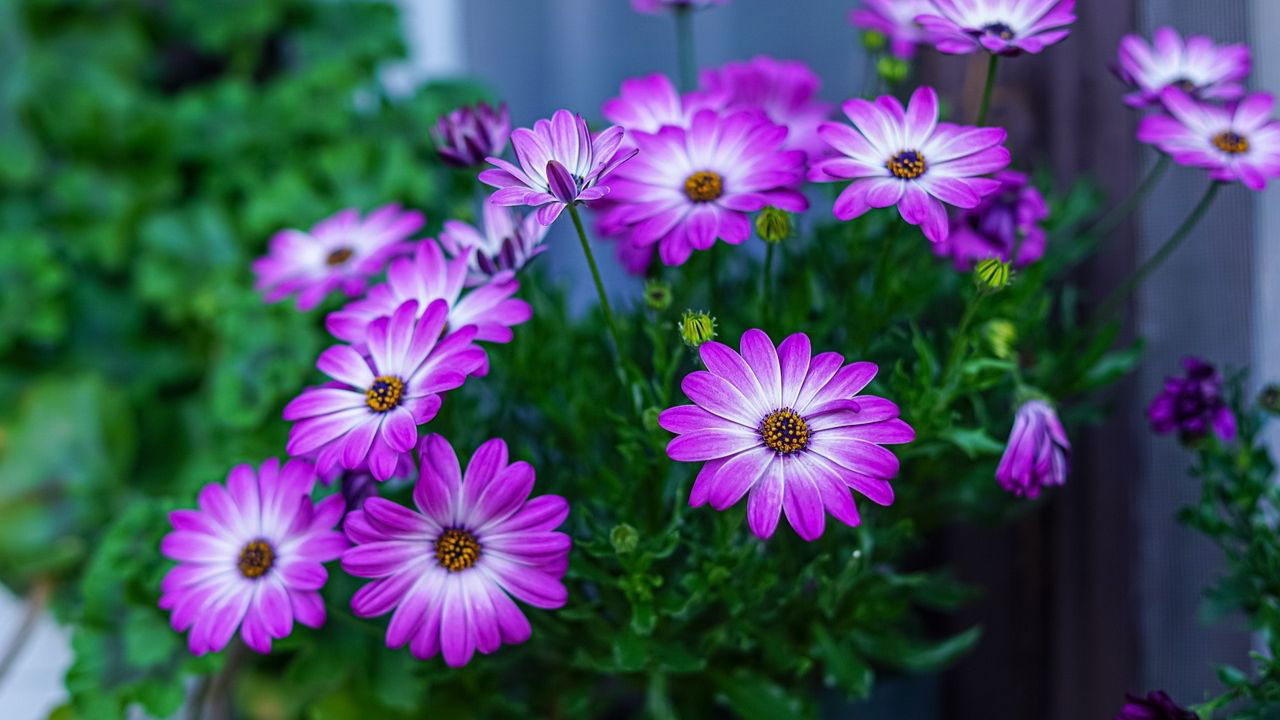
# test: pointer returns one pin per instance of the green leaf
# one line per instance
(756, 698)
(898, 651)
(975, 442)
(148, 639)
(842, 666)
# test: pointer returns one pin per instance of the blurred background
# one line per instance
(1096, 594)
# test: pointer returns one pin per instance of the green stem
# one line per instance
(595, 275)
(684, 48)
(1109, 222)
(713, 269)
(765, 284)
(1156, 260)
(986, 90)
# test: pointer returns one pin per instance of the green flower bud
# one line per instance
(773, 225)
(696, 328)
(874, 40)
(1269, 399)
(1002, 336)
(649, 418)
(624, 538)
(893, 70)
(657, 294)
(991, 274)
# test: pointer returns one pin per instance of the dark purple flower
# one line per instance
(1155, 706)
(1007, 219)
(1036, 454)
(468, 135)
(1193, 405)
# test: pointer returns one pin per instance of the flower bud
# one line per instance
(893, 70)
(657, 294)
(1269, 399)
(649, 419)
(697, 328)
(1002, 336)
(991, 274)
(873, 40)
(773, 225)
(624, 538)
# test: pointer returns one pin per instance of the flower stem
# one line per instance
(1156, 260)
(713, 269)
(1109, 222)
(595, 275)
(986, 90)
(765, 281)
(37, 600)
(684, 47)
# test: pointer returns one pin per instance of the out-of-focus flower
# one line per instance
(905, 157)
(897, 20)
(785, 90)
(657, 6)
(1155, 706)
(426, 277)
(560, 163)
(773, 225)
(506, 244)
(339, 252)
(1193, 404)
(1006, 219)
(1197, 66)
(468, 135)
(1002, 336)
(696, 328)
(373, 409)
(251, 557)
(647, 103)
(1037, 453)
(1235, 144)
(1001, 27)
(787, 430)
(690, 187)
(450, 566)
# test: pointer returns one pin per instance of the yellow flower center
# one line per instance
(256, 559)
(384, 393)
(1231, 143)
(339, 256)
(907, 165)
(457, 550)
(703, 186)
(785, 432)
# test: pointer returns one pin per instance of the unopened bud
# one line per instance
(657, 294)
(649, 419)
(1269, 399)
(624, 538)
(697, 328)
(1002, 336)
(991, 274)
(894, 70)
(773, 225)
(873, 40)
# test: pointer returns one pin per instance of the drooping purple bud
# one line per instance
(561, 182)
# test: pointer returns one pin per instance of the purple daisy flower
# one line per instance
(786, 90)
(648, 103)
(426, 277)
(1197, 66)
(1037, 452)
(657, 6)
(691, 186)
(1238, 143)
(786, 430)
(505, 245)
(909, 159)
(1193, 405)
(560, 163)
(339, 252)
(1001, 27)
(374, 408)
(251, 557)
(469, 134)
(1155, 706)
(896, 20)
(450, 568)
(1006, 219)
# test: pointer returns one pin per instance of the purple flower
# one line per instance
(785, 90)
(340, 252)
(648, 103)
(251, 557)
(1155, 706)
(1001, 27)
(450, 568)
(1036, 454)
(427, 277)
(560, 163)
(504, 247)
(1197, 66)
(689, 187)
(468, 135)
(896, 19)
(1008, 218)
(909, 159)
(374, 408)
(1237, 143)
(786, 430)
(1193, 405)
(657, 6)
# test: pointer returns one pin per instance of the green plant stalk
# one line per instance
(685, 57)
(987, 89)
(1109, 222)
(765, 283)
(595, 275)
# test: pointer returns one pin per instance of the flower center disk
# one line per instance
(384, 393)
(1231, 143)
(1000, 30)
(907, 165)
(785, 432)
(704, 186)
(339, 256)
(457, 550)
(256, 559)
